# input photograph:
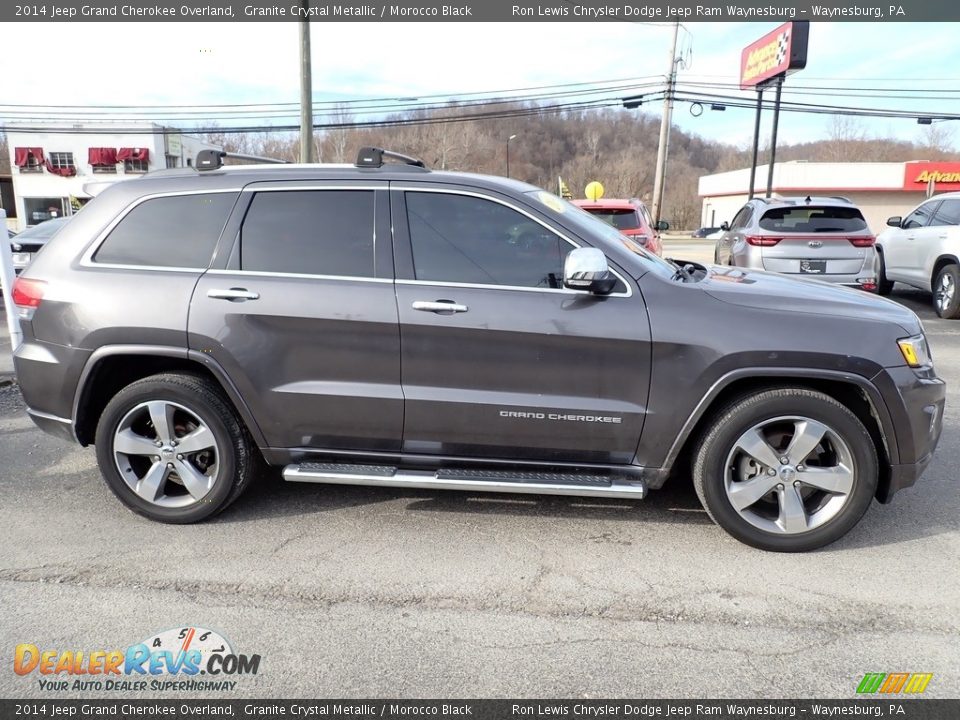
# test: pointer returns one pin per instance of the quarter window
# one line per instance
(177, 231)
(465, 239)
(314, 232)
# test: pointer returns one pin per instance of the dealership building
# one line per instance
(879, 189)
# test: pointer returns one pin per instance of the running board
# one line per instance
(474, 480)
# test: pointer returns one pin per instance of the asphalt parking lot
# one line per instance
(386, 593)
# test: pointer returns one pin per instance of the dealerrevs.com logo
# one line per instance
(190, 659)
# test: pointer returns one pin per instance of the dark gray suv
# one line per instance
(382, 324)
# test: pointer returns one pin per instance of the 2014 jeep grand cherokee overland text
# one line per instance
(382, 324)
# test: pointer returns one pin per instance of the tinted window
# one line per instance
(179, 231)
(316, 232)
(620, 219)
(741, 219)
(458, 238)
(812, 219)
(948, 213)
(919, 217)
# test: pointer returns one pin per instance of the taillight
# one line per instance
(28, 293)
(761, 241)
(867, 241)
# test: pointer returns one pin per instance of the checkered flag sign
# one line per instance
(783, 45)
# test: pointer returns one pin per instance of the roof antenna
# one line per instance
(808, 200)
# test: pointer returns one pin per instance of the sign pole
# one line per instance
(773, 139)
(756, 142)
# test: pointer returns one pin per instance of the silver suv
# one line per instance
(823, 238)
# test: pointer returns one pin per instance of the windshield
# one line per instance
(589, 225)
(44, 230)
(808, 219)
(620, 219)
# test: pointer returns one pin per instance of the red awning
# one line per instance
(133, 154)
(22, 156)
(102, 156)
(61, 171)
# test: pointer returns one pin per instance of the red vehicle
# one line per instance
(630, 217)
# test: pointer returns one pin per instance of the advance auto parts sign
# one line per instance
(780, 52)
(944, 176)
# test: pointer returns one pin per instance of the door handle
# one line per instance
(233, 294)
(440, 306)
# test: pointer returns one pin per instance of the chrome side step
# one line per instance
(474, 480)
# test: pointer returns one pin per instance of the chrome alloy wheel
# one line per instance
(166, 454)
(789, 475)
(946, 289)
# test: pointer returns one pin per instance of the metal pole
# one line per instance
(508, 153)
(7, 276)
(658, 178)
(306, 90)
(756, 141)
(773, 139)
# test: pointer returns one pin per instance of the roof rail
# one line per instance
(842, 198)
(373, 157)
(213, 159)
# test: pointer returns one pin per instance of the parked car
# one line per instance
(28, 243)
(923, 250)
(382, 325)
(631, 218)
(704, 232)
(825, 238)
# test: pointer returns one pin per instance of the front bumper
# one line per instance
(915, 400)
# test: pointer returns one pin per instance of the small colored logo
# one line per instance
(894, 683)
(169, 660)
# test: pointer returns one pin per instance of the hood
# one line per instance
(759, 289)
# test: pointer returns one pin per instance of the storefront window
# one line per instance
(38, 210)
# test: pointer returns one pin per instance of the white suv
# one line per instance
(923, 250)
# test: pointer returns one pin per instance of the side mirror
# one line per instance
(725, 226)
(895, 221)
(663, 226)
(587, 269)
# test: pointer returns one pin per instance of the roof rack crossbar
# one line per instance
(213, 159)
(373, 157)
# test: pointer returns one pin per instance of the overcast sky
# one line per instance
(211, 63)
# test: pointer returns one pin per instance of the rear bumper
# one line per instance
(53, 425)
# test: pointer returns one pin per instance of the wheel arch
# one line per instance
(853, 391)
(941, 262)
(111, 368)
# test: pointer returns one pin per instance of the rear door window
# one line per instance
(312, 232)
(178, 231)
(948, 213)
(813, 219)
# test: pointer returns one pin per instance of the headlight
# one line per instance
(915, 351)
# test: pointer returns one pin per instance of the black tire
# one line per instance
(884, 286)
(730, 423)
(238, 461)
(948, 309)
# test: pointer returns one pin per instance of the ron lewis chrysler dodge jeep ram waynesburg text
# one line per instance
(383, 324)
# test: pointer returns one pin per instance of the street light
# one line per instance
(508, 153)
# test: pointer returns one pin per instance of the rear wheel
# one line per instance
(884, 286)
(172, 448)
(946, 295)
(786, 470)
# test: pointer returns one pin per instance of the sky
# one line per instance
(201, 64)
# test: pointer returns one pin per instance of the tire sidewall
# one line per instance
(952, 311)
(123, 403)
(719, 443)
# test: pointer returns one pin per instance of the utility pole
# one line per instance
(306, 90)
(658, 178)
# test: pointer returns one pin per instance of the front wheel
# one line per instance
(172, 448)
(786, 470)
(946, 295)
